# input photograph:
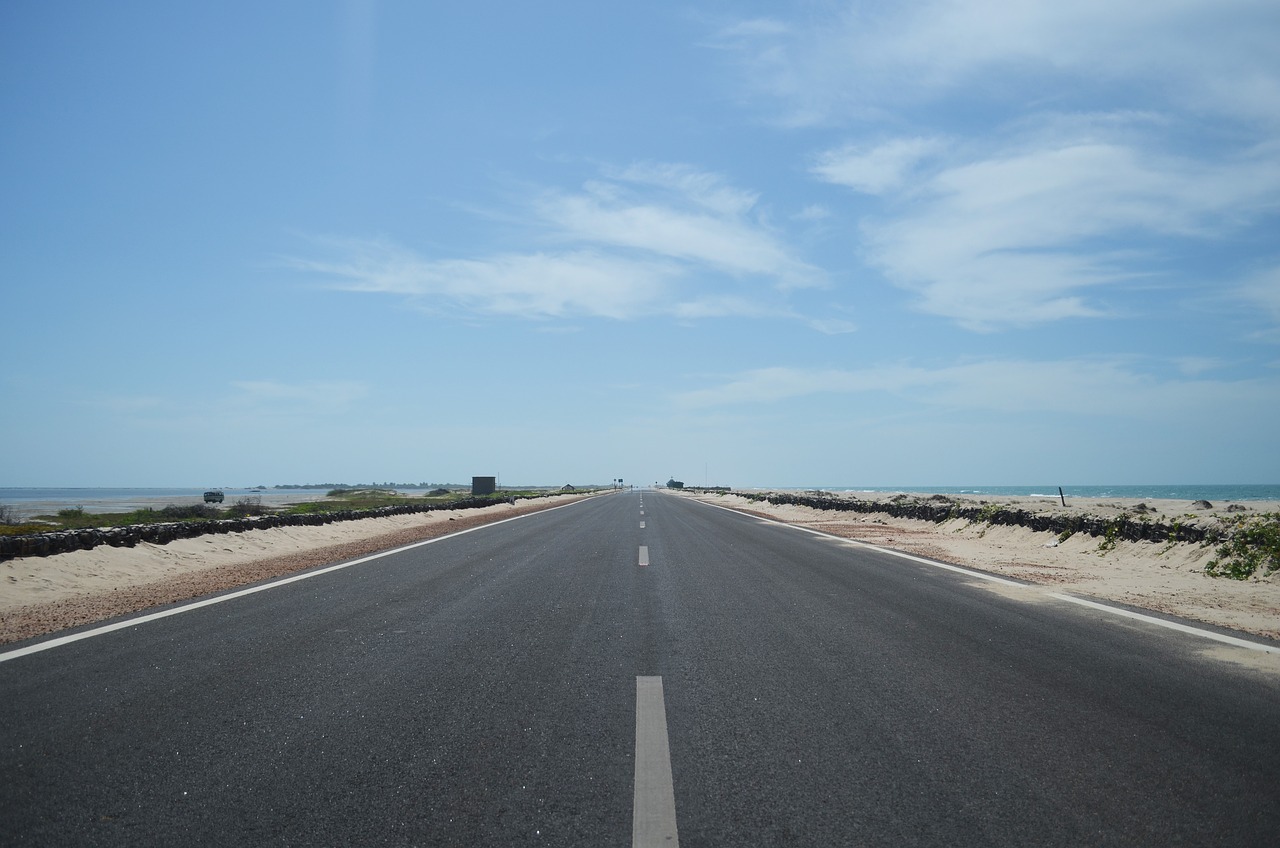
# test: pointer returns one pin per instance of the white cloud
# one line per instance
(690, 185)
(1069, 387)
(1085, 142)
(1215, 56)
(813, 212)
(832, 326)
(698, 219)
(538, 285)
(652, 239)
(1017, 237)
(728, 246)
(722, 306)
(875, 170)
(755, 27)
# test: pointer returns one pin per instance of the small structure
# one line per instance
(673, 483)
(484, 485)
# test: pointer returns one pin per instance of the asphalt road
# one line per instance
(507, 686)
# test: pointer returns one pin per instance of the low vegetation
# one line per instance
(337, 500)
(12, 525)
(1252, 546)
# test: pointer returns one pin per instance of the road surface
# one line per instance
(640, 669)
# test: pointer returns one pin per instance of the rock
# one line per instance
(1202, 505)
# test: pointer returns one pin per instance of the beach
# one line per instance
(41, 595)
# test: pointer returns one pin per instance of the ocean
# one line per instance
(1213, 492)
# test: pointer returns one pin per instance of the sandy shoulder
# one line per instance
(41, 595)
(1163, 577)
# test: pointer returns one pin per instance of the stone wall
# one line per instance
(62, 541)
(1132, 528)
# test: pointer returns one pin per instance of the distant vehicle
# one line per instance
(213, 496)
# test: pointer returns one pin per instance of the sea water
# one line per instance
(1207, 492)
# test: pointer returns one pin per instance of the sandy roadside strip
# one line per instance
(40, 595)
(1162, 577)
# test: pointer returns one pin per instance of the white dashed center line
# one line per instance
(653, 821)
(644, 555)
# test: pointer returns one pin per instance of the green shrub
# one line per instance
(1253, 544)
(1111, 534)
(24, 529)
(988, 513)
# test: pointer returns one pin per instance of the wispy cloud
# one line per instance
(689, 185)
(711, 239)
(864, 58)
(1031, 139)
(1085, 386)
(1018, 237)
(648, 239)
(876, 169)
(534, 285)
(832, 326)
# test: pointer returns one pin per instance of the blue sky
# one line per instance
(748, 244)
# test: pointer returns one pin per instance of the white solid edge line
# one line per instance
(1172, 625)
(653, 818)
(1150, 619)
(155, 616)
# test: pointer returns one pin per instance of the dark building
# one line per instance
(484, 485)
